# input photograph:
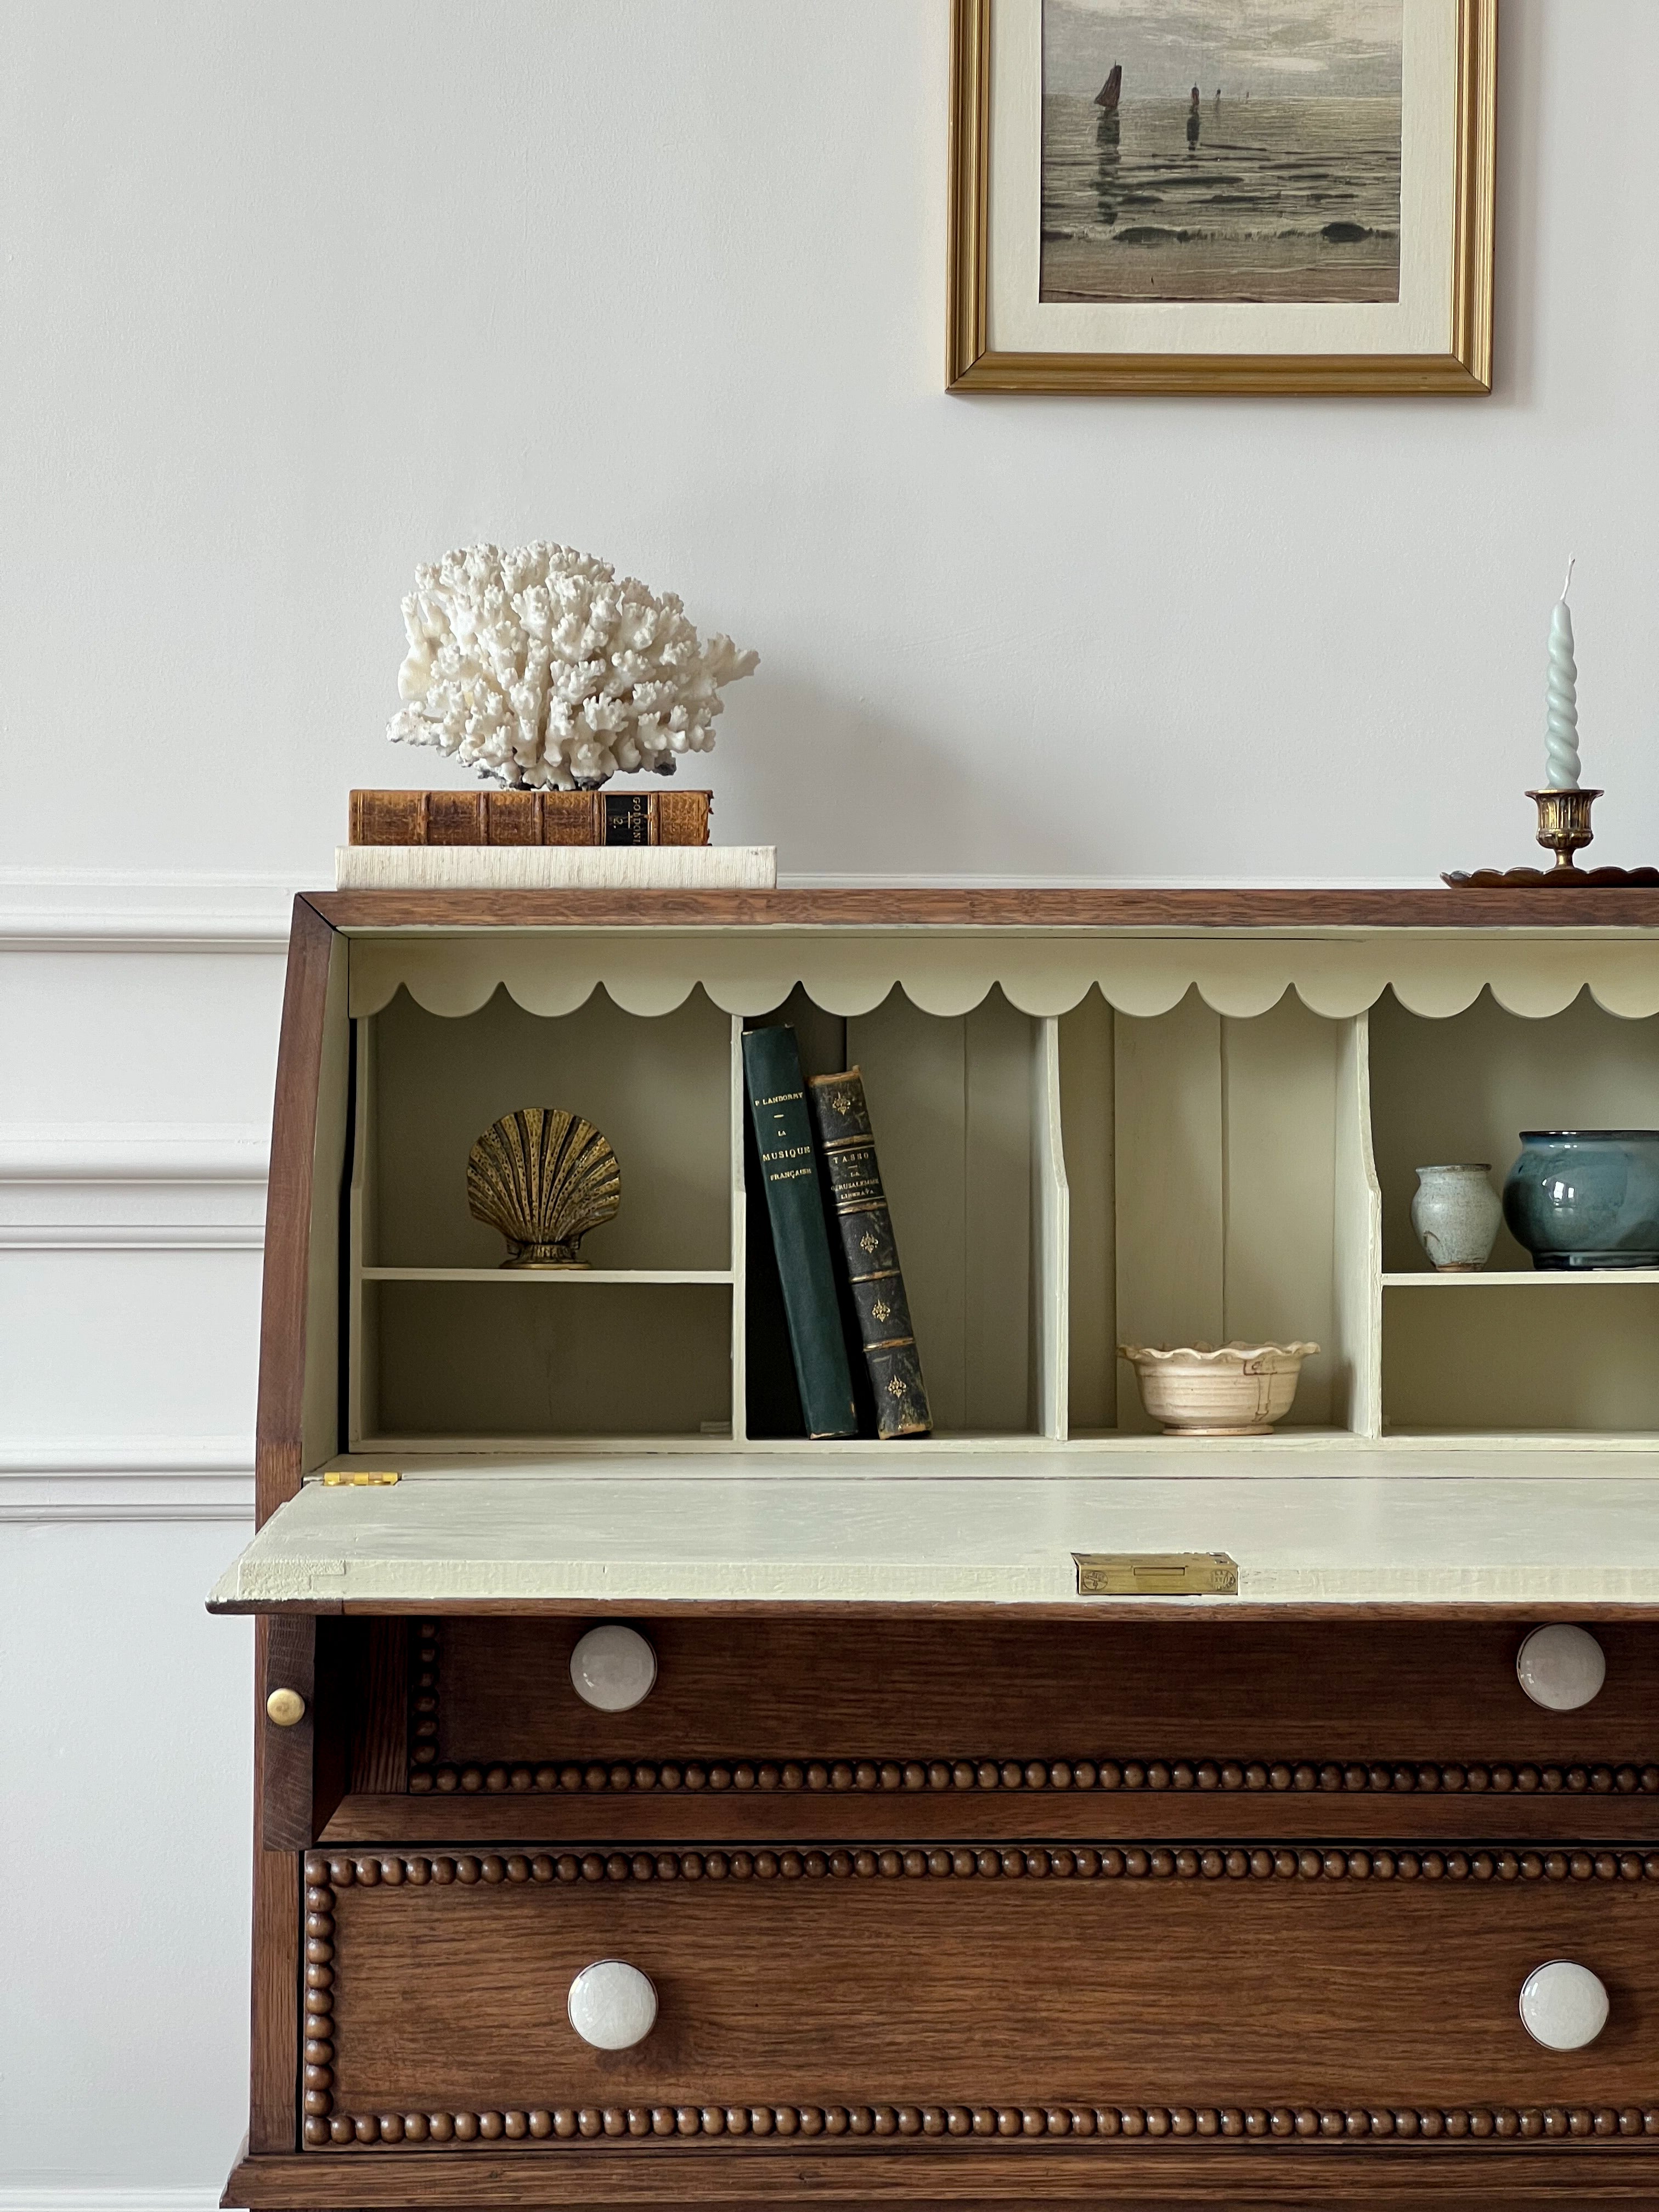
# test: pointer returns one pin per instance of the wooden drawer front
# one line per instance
(937, 1708)
(1160, 1991)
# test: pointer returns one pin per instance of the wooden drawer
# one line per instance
(1359, 1728)
(1009, 1991)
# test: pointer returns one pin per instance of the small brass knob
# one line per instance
(286, 1708)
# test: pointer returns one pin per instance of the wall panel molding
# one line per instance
(82, 1190)
(187, 1478)
(46, 2198)
(140, 1186)
(94, 910)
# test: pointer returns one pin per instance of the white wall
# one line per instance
(292, 297)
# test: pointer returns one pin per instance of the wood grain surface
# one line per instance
(380, 1743)
(288, 1764)
(274, 2019)
(736, 1814)
(1307, 1981)
(1315, 2176)
(785, 1690)
(287, 1214)
(905, 908)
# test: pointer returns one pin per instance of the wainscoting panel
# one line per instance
(140, 1019)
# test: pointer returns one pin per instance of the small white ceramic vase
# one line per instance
(1456, 1213)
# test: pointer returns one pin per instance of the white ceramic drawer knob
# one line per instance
(613, 1667)
(1562, 1668)
(1562, 2007)
(614, 2006)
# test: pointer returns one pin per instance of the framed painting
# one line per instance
(1196, 196)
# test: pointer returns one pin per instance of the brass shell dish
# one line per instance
(544, 1178)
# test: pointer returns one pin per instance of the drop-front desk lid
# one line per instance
(1441, 1529)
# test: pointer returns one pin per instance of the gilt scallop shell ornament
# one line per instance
(544, 1178)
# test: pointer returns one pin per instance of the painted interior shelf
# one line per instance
(1088, 1138)
(571, 1277)
(1518, 1278)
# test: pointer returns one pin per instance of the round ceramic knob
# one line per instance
(287, 1708)
(613, 2006)
(1562, 2007)
(613, 1667)
(1562, 1668)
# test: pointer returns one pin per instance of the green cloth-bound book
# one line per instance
(783, 1137)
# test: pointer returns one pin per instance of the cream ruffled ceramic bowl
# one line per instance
(1203, 1390)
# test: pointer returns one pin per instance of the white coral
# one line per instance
(538, 667)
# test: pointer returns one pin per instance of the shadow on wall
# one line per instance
(1519, 90)
(889, 798)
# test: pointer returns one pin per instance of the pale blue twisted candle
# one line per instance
(1561, 733)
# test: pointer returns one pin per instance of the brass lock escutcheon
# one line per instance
(1156, 1574)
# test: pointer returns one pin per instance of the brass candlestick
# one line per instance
(1564, 823)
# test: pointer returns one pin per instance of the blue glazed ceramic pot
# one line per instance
(1586, 1197)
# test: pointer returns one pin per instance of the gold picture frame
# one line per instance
(1463, 365)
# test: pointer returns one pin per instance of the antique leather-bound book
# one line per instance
(530, 818)
(866, 1222)
(783, 1137)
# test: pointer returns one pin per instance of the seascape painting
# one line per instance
(1221, 151)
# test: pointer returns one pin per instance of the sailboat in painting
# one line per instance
(1107, 97)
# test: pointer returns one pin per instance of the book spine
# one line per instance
(530, 818)
(866, 1222)
(682, 816)
(783, 1138)
(569, 817)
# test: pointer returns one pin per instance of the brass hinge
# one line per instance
(356, 1479)
(1156, 1574)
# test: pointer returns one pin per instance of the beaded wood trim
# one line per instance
(325, 1876)
(423, 1654)
(788, 1777)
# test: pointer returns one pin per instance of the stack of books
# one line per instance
(853, 1349)
(499, 840)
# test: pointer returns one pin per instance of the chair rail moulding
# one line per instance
(111, 910)
(140, 1186)
(121, 1479)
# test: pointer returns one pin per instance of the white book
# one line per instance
(556, 867)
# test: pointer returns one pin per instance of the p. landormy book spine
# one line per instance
(783, 1137)
(860, 1205)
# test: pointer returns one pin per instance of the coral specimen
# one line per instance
(539, 667)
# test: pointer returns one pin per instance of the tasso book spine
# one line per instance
(847, 1140)
(783, 1138)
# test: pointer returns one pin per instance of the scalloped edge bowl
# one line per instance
(1211, 1390)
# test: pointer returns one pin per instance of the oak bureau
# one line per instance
(655, 1808)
